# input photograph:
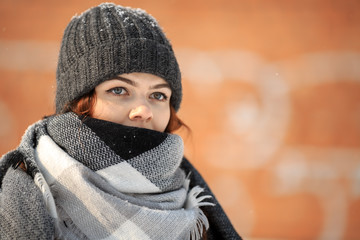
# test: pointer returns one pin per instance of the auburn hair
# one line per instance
(85, 106)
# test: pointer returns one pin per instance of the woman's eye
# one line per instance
(158, 96)
(118, 91)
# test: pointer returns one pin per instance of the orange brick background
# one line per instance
(271, 93)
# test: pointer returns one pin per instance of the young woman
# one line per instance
(106, 165)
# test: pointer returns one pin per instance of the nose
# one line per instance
(141, 113)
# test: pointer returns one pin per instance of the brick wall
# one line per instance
(271, 93)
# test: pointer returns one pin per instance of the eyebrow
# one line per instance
(132, 83)
(161, 85)
(126, 80)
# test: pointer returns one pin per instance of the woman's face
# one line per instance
(134, 99)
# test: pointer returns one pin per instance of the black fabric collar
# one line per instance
(127, 142)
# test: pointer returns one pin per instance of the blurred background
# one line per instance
(271, 93)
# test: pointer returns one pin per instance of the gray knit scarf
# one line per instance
(102, 180)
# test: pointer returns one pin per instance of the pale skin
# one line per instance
(134, 99)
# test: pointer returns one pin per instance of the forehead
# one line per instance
(142, 78)
(145, 80)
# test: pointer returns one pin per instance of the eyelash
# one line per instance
(162, 95)
(112, 91)
(117, 88)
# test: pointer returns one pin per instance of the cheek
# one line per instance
(109, 111)
(162, 120)
(97, 108)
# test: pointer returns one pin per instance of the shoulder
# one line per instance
(220, 225)
(195, 177)
(22, 208)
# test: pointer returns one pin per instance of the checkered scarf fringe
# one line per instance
(102, 180)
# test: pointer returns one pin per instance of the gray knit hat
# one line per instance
(109, 40)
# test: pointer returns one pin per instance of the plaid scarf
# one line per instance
(102, 180)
